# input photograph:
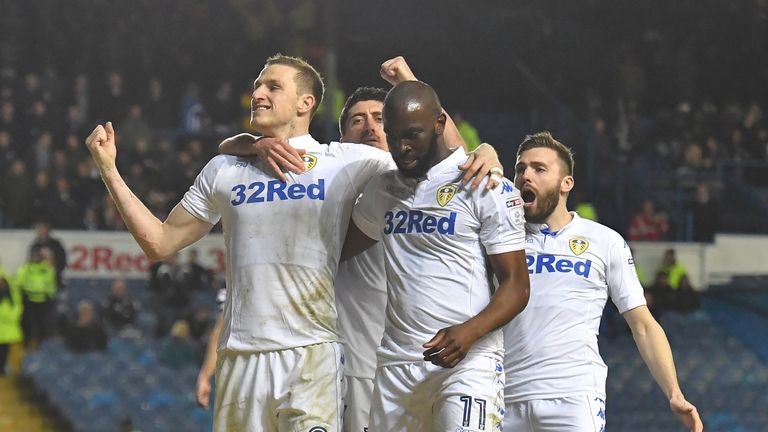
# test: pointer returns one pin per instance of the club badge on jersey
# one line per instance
(578, 245)
(309, 161)
(445, 193)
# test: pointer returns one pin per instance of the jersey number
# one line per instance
(467, 400)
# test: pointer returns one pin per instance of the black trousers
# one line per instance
(36, 320)
(4, 348)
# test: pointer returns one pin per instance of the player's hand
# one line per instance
(396, 70)
(686, 413)
(280, 156)
(101, 145)
(482, 162)
(203, 391)
(276, 152)
(450, 345)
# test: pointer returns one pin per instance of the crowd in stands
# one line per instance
(34, 307)
(655, 113)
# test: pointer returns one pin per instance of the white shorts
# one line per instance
(293, 390)
(570, 414)
(423, 397)
(357, 404)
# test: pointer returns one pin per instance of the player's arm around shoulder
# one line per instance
(276, 152)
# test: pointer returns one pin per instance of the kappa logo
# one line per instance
(309, 160)
(445, 193)
(578, 245)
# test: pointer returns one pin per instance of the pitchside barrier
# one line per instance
(107, 255)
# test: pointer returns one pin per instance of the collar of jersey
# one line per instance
(304, 142)
(455, 159)
(534, 228)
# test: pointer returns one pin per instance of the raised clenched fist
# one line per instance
(101, 144)
(396, 70)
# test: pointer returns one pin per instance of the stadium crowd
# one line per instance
(654, 115)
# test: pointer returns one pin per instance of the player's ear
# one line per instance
(440, 124)
(567, 184)
(306, 103)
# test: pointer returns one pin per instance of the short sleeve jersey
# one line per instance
(361, 298)
(283, 240)
(435, 236)
(551, 347)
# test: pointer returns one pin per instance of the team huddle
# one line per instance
(392, 281)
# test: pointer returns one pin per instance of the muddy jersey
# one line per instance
(283, 240)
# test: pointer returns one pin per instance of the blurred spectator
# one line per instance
(714, 153)
(43, 151)
(37, 281)
(74, 148)
(82, 97)
(223, 108)
(11, 308)
(199, 323)
(649, 224)
(195, 275)
(191, 110)
(168, 282)
(86, 184)
(67, 214)
(693, 158)
(686, 299)
(706, 215)
(44, 240)
(178, 350)
(114, 102)
(158, 108)
(75, 124)
(10, 121)
(86, 333)
(38, 121)
(43, 195)
(16, 191)
(467, 131)
(659, 295)
(134, 128)
(672, 268)
(8, 151)
(119, 310)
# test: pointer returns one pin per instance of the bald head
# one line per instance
(409, 97)
(414, 123)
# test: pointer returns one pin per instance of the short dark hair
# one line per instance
(545, 140)
(308, 79)
(360, 95)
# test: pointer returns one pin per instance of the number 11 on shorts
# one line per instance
(467, 400)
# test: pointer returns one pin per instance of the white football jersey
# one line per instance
(551, 347)
(361, 297)
(283, 240)
(435, 237)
